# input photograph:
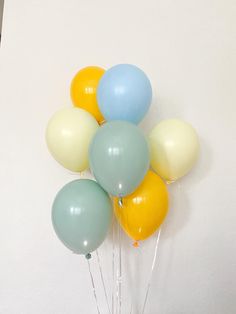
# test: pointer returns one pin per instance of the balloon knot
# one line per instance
(136, 244)
(120, 202)
(168, 182)
(88, 256)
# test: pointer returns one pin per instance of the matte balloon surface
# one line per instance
(84, 88)
(174, 148)
(119, 157)
(124, 93)
(68, 135)
(143, 211)
(81, 215)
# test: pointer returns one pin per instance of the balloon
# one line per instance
(174, 148)
(124, 93)
(68, 136)
(81, 215)
(119, 157)
(143, 211)
(83, 90)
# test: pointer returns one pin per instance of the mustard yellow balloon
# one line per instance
(68, 137)
(143, 211)
(174, 148)
(83, 90)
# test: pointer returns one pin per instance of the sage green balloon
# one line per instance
(119, 157)
(81, 215)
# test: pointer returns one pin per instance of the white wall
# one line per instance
(187, 47)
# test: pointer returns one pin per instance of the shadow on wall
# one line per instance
(1, 13)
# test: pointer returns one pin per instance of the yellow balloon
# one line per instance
(68, 137)
(174, 148)
(142, 212)
(83, 90)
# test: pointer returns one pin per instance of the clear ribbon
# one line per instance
(151, 273)
(93, 286)
(103, 282)
(113, 266)
(119, 273)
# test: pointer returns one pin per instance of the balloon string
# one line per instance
(93, 286)
(113, 267)
(119, 272)
(131, 309)
(119, 266)
(103, 282)
(151, 273)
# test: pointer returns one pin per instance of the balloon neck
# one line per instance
(170, 181)
(88, 256)
(120, 202)
(136, 244)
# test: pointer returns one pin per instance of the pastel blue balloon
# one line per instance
(124, 93)
(81, 215)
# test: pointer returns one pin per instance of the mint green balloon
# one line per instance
(119, 157)
(81, 215)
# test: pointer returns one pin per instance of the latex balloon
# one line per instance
(124, 93)
(81, 215)
(142, 212)
(68, 136)
(174, 148)
(119, 157)
(83, 90)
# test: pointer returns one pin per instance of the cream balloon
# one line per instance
(68, 137)
(174, 148)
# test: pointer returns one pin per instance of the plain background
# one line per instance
(188, 49)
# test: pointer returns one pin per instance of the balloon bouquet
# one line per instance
(101, 132)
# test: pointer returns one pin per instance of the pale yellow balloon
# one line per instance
(174, 147)
(68, 137)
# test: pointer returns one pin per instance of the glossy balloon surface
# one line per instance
(81, 215)
(143, 211)
(68, 135)
(84, 88)
(119, 157)
(174, 148)
(124, 93)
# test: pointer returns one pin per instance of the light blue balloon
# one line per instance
(124, 93)
(81, 215)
